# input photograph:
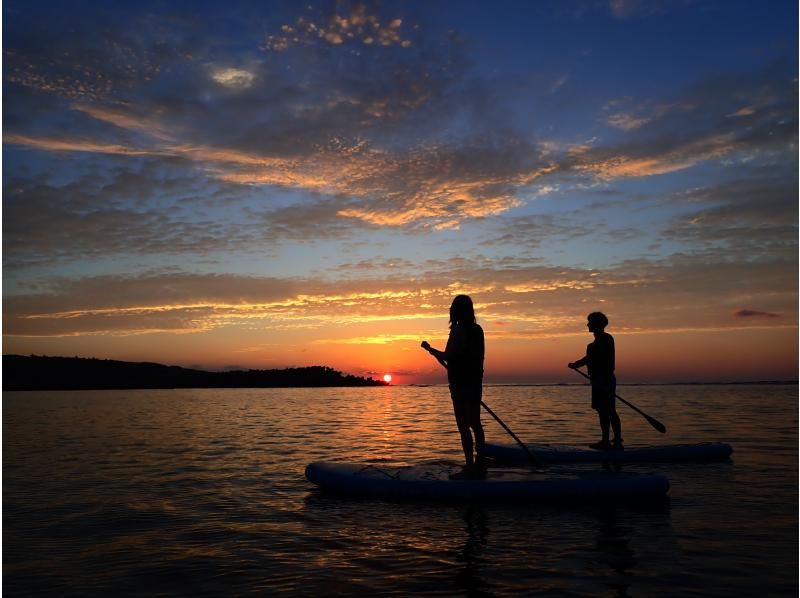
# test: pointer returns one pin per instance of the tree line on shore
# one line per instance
(37, 372)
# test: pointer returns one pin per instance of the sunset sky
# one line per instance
(269, 184)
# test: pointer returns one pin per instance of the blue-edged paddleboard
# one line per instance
(550, 453)
(431, 481)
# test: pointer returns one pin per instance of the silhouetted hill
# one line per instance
(76, 373)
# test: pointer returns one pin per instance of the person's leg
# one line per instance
(480, 440)
(477, 426)
(472, 414)
(605, 420)
(603, 444)
(600, 403)
(466, 444)
(616, 425)
(462, 421)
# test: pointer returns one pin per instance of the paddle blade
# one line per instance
(656, 424)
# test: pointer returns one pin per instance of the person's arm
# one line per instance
(439, 355)
(454, 346)
(577, 364)
(583, 360)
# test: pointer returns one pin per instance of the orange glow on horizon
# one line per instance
(678, 356)
(532, 330)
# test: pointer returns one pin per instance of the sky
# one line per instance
(274, 184)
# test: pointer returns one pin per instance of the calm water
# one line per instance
(201, 492)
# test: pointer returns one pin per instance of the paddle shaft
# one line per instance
(651, 420)
(533, 459)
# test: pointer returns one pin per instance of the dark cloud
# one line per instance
(739, 116)
(751, 313)
(532, 231)
(131, 211)
(308, 222)
(376, 267)
(752, 217)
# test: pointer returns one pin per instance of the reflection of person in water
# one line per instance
(599, 360)
(471, 556)
(463, 358)
(614, 546)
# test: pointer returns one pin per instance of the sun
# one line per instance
(387, 378)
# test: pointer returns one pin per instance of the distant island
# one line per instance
(36, 372)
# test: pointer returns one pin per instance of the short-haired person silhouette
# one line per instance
(463, 358)
(599, 360)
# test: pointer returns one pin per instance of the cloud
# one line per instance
(532, 231)
(558, 83)
(435, 186)
(334, 134)
(92, 217)
(306, 222)
(751, 313)
(385, 136)
(627, 122)
(74, 145)
(649, 159)
(741, 112)
(682, 293)
(233, 78)
(697, 126)
(730, 217)
(625, 9)
(358, 27)
(126, 117)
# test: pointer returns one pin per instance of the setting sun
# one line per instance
(387, 378)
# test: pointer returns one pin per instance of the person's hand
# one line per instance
(571, 365)
(425, 345)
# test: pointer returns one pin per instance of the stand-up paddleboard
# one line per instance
(549, 453)
(431, 481)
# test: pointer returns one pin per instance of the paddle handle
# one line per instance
(651, 420)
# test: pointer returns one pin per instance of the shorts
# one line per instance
(466, 401)
(603, 394)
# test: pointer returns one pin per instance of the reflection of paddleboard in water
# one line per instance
(548, 453)
(432, 481)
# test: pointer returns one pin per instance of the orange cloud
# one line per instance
(357, 26)
(680, 158)
(124, 118)
(74, 145)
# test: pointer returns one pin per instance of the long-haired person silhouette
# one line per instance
(463, 358)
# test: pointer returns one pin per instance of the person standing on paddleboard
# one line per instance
(599, 360)
(463, 358)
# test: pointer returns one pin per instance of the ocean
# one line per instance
(202, 493)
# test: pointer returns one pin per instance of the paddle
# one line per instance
(650, 420)
(425, 345)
